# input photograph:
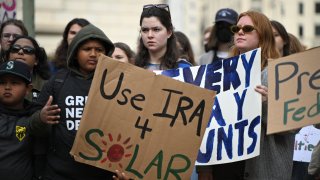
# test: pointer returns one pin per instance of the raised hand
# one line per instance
(50, 113)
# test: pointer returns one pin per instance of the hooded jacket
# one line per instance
(86, 33)
(70, 89)
(16, 142)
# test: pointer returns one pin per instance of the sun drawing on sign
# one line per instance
(116, 150)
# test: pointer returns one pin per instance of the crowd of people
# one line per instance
(34, 136)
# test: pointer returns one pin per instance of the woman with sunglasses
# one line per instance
(157, 49)
(254, 30)
(26, 49)
(9, 31)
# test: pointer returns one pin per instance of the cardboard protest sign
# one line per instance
(233, 133)
(307, 138)
(147, 125)
(293, 93)
(7, 10)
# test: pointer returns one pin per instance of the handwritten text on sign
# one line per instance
(7, 10)
(233, 132)
(294, 96)
(146, 125)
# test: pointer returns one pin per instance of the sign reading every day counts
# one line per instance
(233, 131)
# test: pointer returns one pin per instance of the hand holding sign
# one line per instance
(294, 96)
(148, 126)
(263, 90)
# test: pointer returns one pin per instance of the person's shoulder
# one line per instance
(183, 63)
(206, 58)
(30, 106)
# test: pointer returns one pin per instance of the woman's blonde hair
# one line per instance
(266, 39)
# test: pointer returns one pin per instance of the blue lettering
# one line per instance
(253, 134)
(247, 66)
(205, 157)
(239, 101)
(188, 78)
(231, 75)
(226, 140)
(216, 113)
(171, 73)
(241, 126)
(213, 77)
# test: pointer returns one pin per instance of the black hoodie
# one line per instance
(16, 142)
(71, 97)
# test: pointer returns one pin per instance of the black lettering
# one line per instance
(314, 76)
(278, 81)
(124, 97)
(198, 112)
(165, 108)
(299, 82)
(138, 97)
(144, 127)
(116, 91)
(181, 110)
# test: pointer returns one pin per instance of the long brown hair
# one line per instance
(266, 40)
(170, 58)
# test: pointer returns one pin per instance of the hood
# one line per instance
(88, 32)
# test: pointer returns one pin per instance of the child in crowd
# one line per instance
(123, 53)
(15, 122)
(27, 50)
(69, 89)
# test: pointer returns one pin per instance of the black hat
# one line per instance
(17, 68)
(227, 15)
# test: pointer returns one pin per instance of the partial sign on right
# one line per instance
(294, 91)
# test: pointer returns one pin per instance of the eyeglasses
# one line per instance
(8, 35)
(245, 28)
(160, 6)
(26, 50)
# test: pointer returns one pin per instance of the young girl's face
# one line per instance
(279, 41)
(246, 41)
(88, 55)
(13, 89)
(9, 33)
(23, 50)
(154, 35)
(120, 55)
(74, 29)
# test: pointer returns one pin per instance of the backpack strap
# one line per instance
(58, 83)
(59, 80)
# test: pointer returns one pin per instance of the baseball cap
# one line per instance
(16, 68)
(227, 15)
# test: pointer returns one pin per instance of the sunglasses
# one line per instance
(245, 28)
(8, 35)
(160, 6)
(26, 50)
